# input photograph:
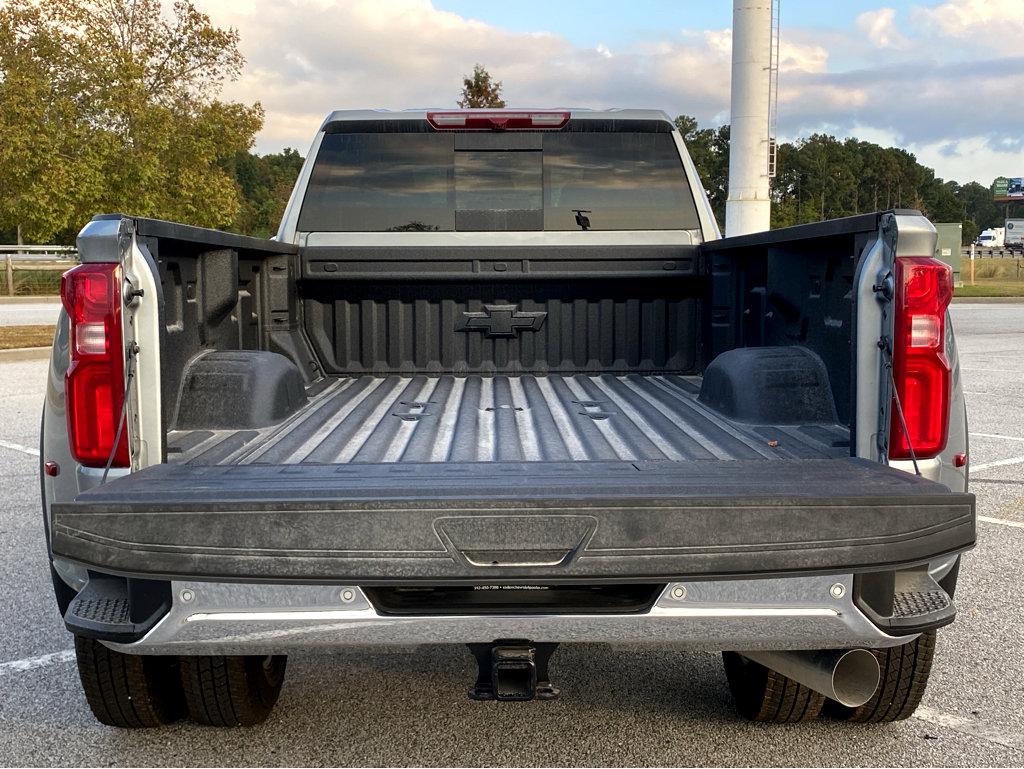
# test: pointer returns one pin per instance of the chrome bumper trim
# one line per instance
(756, 614)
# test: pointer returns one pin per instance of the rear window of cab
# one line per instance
(452, 181)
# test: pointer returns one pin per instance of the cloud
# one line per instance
(794, 56)
(406, 53)
(978, 21)
(719, 41)
(880, 28)
(926, 85)
(918, 102)
(971, 159)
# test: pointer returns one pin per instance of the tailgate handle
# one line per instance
(495, 541)
(518, 557)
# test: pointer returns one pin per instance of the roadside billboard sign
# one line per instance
(1007, 188)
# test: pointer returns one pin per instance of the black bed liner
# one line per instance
(403, 523)
(543, 418)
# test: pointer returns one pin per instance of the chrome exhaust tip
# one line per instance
(848, 676)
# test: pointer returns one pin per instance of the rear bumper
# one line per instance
(783, 613)
(736, 555)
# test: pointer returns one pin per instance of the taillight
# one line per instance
(924, 288)
(94, 384)
(497, 120)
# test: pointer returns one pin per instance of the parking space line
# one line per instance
(997, 463)
(1001, 521)
(20, 666)
(18, 447)
(967, 726)
(995, 435)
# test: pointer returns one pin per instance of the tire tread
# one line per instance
(230, 691)
(763, 695)
(128, 691)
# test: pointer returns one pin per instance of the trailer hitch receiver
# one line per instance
(512, 670)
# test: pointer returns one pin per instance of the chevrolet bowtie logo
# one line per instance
(501, 320)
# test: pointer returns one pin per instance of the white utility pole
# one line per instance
(748, 208)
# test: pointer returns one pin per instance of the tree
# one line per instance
(44, 160)
(821, 177)
(481, 90)
(110, 106)
(979, 205)
(265, 184)
(709, 150)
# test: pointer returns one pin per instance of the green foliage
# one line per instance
(265, 183)
(41, 169)
(480, 90)
(981, 211)
(111, 106)
(709, 149)
(822, 177)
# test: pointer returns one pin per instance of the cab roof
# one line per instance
(575, 113)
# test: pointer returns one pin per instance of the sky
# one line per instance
(943, 79)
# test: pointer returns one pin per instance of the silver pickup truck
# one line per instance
(498, 381)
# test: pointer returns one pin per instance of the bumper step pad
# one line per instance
(117, 609)
(905, 601)
(910, 605)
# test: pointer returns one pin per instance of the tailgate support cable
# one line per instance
(129, 372)
(883, 344)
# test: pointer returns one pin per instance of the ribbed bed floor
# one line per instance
(487, 419)
(506, 418)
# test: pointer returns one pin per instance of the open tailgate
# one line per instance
(388, 523)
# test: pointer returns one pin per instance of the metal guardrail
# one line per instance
(989, 253)
(36, 259)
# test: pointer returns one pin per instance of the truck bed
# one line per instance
(429, 451)
(553, 418)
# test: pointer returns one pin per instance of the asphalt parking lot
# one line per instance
(29, 311)
(649, 705)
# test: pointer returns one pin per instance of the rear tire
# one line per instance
(231, 691)
(761, 694)
(904, 677)
(126, 690)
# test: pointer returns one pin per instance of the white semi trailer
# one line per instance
(1013, 235)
